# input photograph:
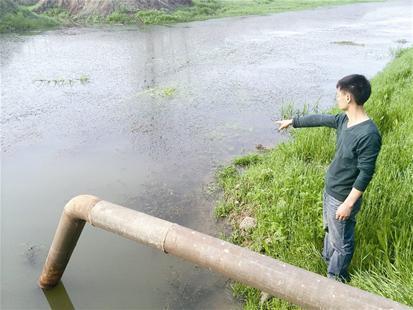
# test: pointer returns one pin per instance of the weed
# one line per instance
(83, 79)
(168, 92)
(157, 92)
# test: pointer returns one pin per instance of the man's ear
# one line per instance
(348, 97)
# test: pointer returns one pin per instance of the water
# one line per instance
(143, 117)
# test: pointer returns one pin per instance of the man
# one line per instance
(357, 146)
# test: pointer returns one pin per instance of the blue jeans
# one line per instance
(339, 238)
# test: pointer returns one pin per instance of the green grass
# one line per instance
(282, 189)
(206, 9)
(61, 16)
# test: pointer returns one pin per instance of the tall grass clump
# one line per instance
(282, 190)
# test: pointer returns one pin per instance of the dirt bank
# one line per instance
(106, 7)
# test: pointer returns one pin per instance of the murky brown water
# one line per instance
(142, 117)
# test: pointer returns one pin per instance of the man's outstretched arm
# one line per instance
(312, 120)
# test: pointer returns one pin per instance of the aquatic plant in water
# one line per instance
(83, 79)
(159, 92)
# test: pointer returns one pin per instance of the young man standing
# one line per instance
(357, 147)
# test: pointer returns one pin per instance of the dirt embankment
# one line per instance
(106, 7)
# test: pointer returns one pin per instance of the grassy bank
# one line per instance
(20, 18)
(282, 188)
(207, 9)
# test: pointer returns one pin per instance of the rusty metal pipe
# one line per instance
(282, 280)
(72, 221)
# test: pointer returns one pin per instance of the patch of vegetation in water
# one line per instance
(83, 79)
(282, 188)
(168, 91)
(159, 92)
(351, 43)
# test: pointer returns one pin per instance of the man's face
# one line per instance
(343, 98)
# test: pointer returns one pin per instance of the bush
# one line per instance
(16, 18)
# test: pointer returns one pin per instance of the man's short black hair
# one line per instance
(357, 85)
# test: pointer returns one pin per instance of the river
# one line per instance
(143, 117)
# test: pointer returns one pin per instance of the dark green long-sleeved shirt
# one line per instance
(357, 148)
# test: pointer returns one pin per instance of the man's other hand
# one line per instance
(284, 123)
(343, 212)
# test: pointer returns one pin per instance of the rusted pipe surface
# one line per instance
(282, 280)
(72, 221)
(80, 207)
(296, 285)
(130, 224)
